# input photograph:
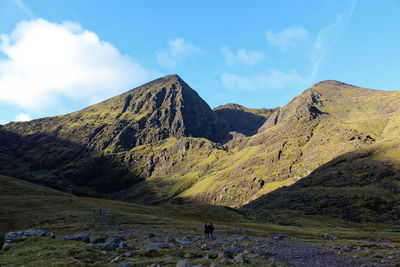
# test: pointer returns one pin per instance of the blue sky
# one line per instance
(60, 56)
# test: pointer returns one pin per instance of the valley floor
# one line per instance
(168, 234)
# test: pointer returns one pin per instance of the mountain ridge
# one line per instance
(161, 142)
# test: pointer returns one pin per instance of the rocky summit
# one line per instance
(331, 151)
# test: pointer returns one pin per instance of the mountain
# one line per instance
(161, 142)
(361, 184)
(86, 148)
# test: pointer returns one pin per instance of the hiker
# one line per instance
(206, 229)
(211, 229)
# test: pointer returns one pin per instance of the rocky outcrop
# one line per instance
(15, 237)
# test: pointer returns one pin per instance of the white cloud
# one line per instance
(2, 122)
(178, 50)
(241, 57)
(23, 117)
(287, 38)
(271, 79)
(47, 62)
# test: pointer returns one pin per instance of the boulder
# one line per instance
(111, 243)
(183, 263)
(80, 237)
(15, 237)
(234, 250)
(169, 239)
(184, 242)
(222, 255)
(162, 245)
(329, 237)
(150, 248)
(280, 237)
(240, 258)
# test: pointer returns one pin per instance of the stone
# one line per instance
(238, 237)
(346, 248)
(79, 237)
(379, 255)
(214, 251)
(150, 248)
(245, 252)
(127, 254)
(184, 242)
(239, 258)
(110, 243)
(113, 241)
(222, 255)
(216, 244)
(116, 259)
(124, 265)
(187, 255)
(205, 258)
(183, 263)
(280, 237)
(122, 245)
(234, 250)
(213, 265)
(99, 240)
(329, 237)
(15, 237)
(162, 245)
(169, 239)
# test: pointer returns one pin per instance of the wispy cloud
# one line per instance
(25, 8)
(178, 50)
(272, 79)
(287, 38)
(241, 57)
(47, 62)
(327, 38)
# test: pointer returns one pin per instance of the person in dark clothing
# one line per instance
(206, 229)
(211, 229)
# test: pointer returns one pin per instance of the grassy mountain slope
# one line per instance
(325, 121)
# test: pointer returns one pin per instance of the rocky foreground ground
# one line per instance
(119, 245)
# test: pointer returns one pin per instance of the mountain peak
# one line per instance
(332, 83)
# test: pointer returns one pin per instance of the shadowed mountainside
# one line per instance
(241, 119)
(359, 186)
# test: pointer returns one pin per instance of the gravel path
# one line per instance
(291, 252)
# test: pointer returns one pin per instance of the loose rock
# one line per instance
(183, 263)
(80, 237)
